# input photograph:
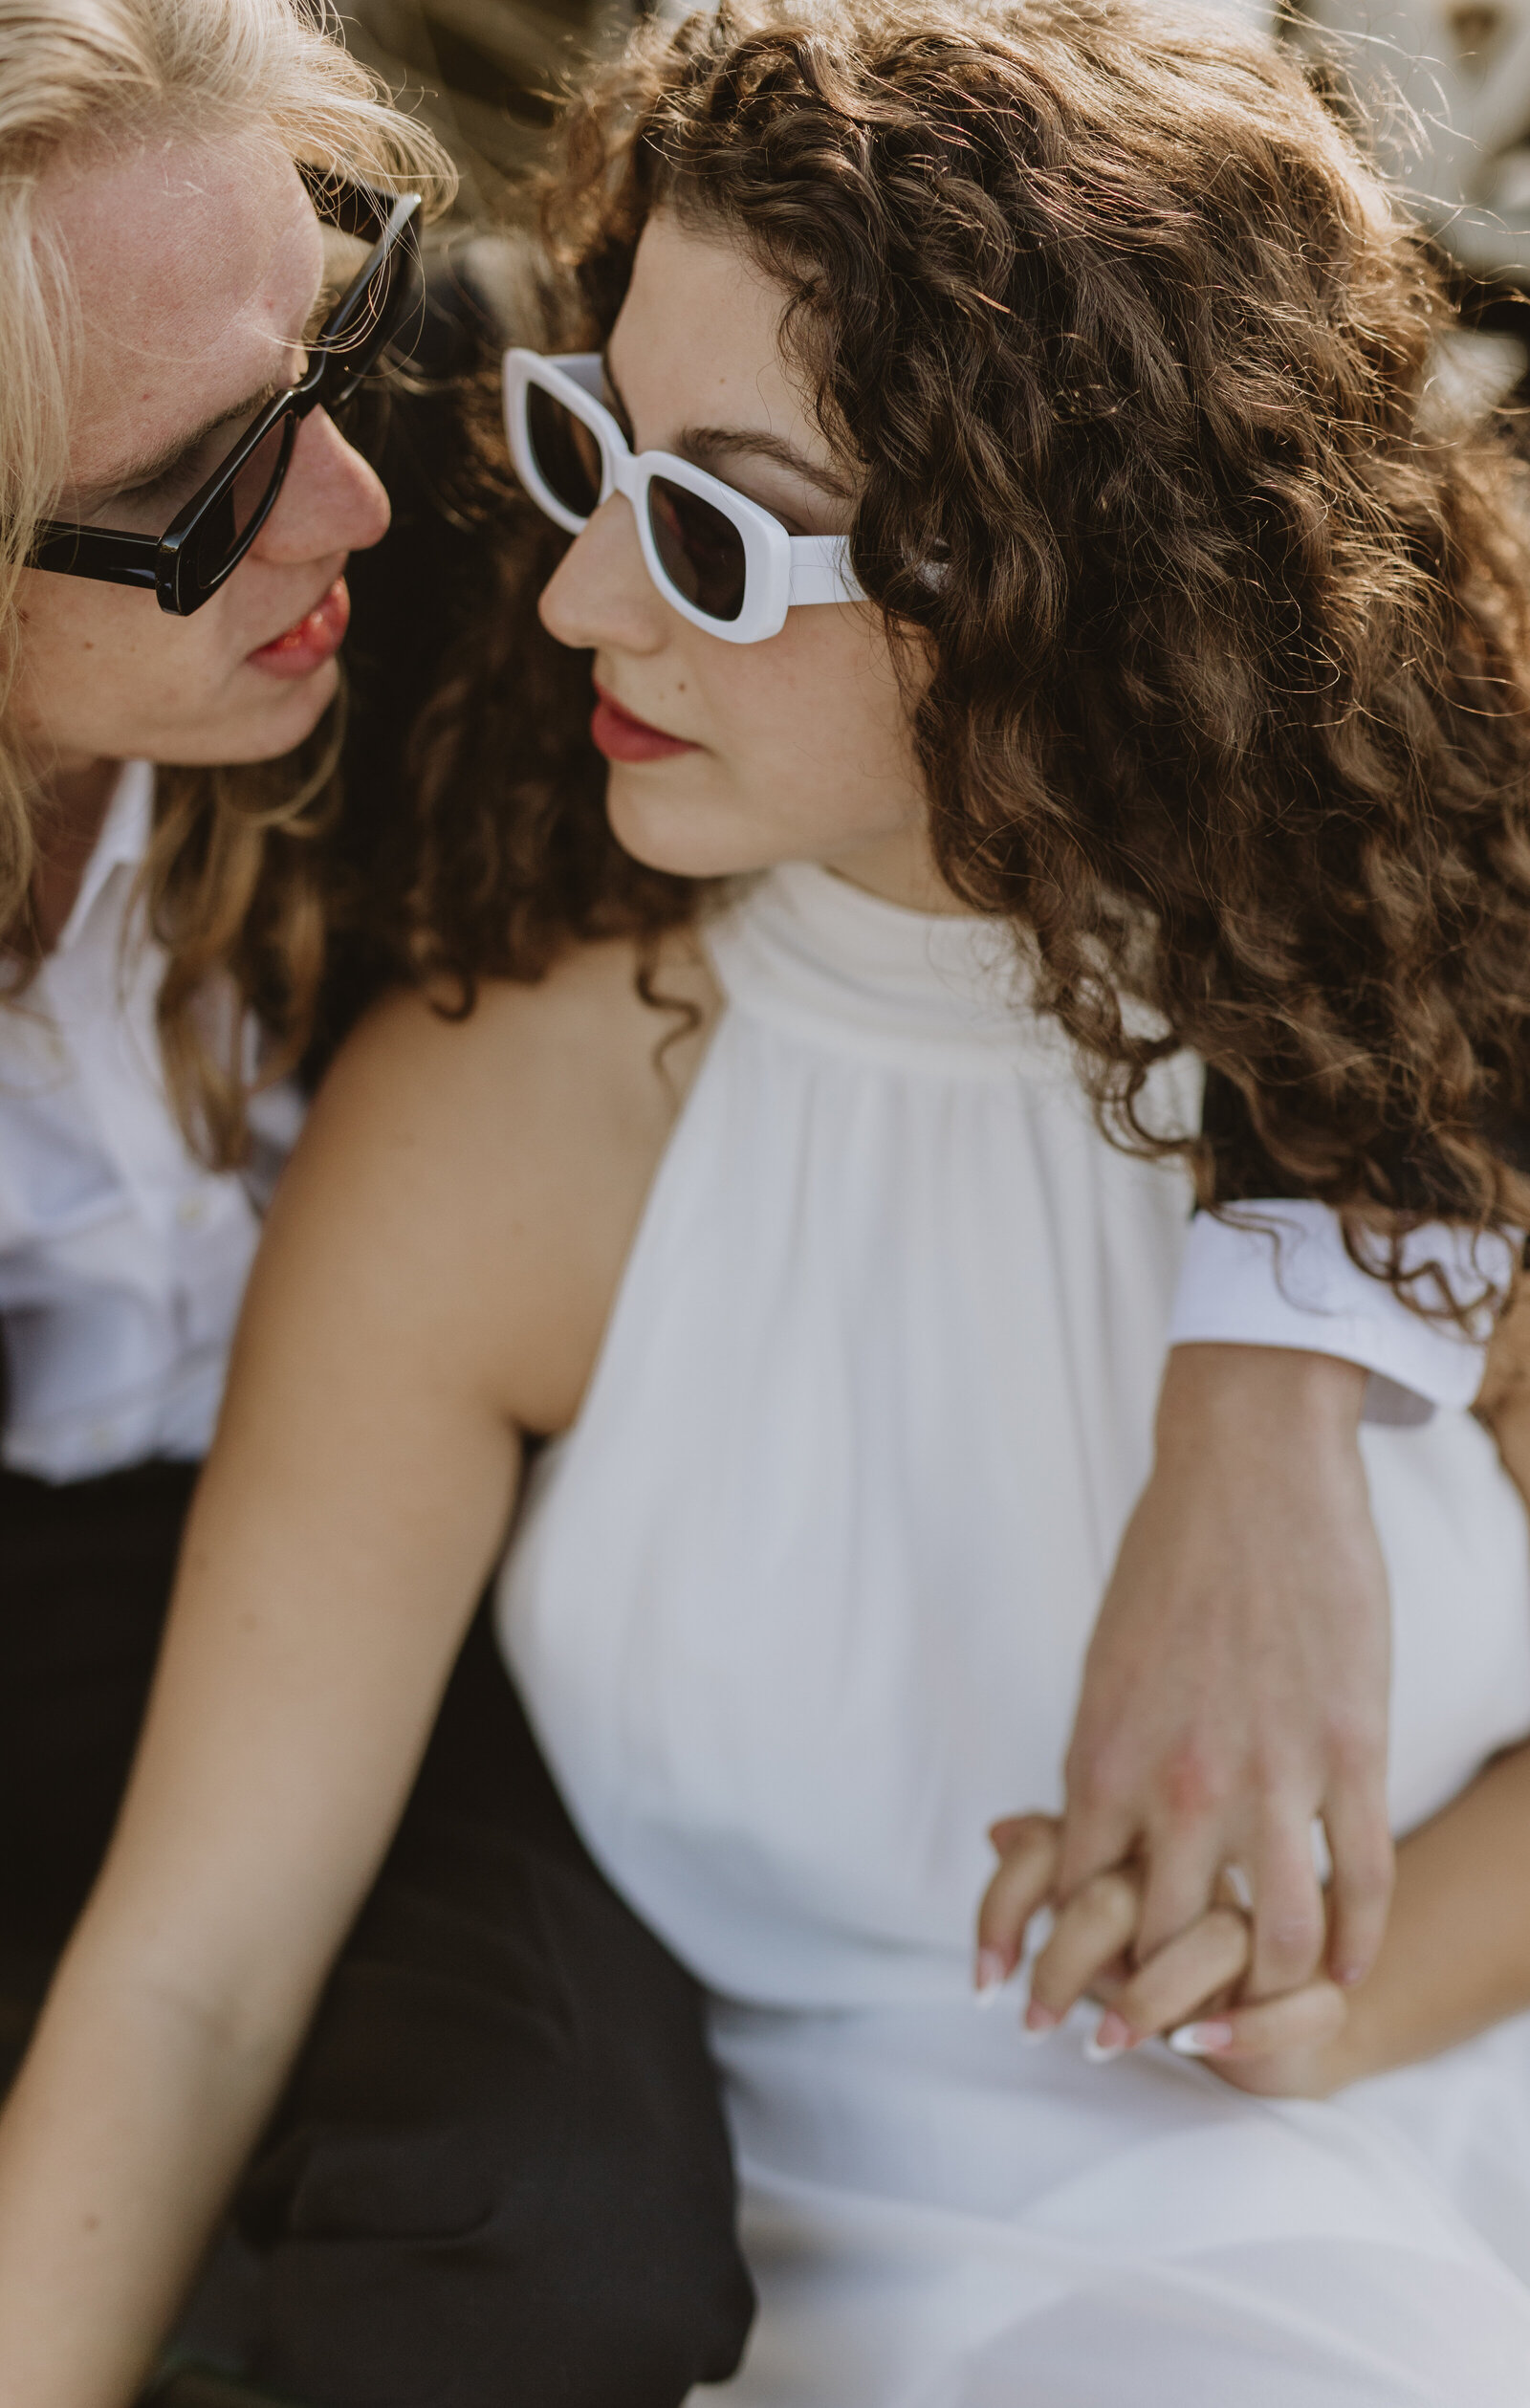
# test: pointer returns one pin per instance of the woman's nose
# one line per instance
(332, 501)
(601, 596)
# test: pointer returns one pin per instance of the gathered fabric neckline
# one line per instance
(812, 955)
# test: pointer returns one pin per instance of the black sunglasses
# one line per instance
(211, 531)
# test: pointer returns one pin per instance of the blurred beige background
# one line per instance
(483, 71)
(1447, 83)
(1449, 80)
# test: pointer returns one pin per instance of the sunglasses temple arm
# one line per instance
(101, 552)
(822, 571)
(398, 242)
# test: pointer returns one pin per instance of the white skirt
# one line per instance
(1009, 2246)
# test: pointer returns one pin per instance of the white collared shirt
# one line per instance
(123, 1260)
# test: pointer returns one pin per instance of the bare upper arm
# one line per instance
(497, 1165)
(437, 1271)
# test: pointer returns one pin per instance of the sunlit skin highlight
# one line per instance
(197, 267)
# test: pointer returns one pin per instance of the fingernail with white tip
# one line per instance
(1201, 2040)
(989, 1976)
(1111, 2038)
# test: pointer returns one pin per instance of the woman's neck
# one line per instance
(900, 870)
(70, 821)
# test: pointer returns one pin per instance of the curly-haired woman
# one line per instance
(1002, 520)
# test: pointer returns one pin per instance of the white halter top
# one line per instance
(800, 1604)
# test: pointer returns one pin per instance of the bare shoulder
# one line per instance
(533, 1074)
(499, 1162)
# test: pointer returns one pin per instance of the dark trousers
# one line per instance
(500, 2169)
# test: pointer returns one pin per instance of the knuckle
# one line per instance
(1293, 1935)
(1106, 1904)
(1193, 1784)
(1037, 1830)
(1227, 1928)
(1365, 1884)
(1100, 1779)
(1120, 1888)
(1024, 1836)
(1175, 1901)
(1282, 1865)
(1282, 1960)
(1357, 1746)
(1285, 1783)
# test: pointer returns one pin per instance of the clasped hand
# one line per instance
(1235, 1692)
(1190, 1991)
(1236, 1689)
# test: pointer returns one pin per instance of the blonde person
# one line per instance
(936, 377)
(500, 2155)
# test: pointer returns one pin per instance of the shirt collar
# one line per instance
(123, 843)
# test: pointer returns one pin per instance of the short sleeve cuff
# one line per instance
(1278, 1274)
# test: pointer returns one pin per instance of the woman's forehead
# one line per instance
(698, 341)
(195, 265)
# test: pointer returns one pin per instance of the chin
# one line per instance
(688, 837)
(286, 718)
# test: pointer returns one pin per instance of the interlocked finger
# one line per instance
(1181, 1884)
(1186, 1974)
(1097, 1834)
(1091, 1932)
(1360, 1892)
(1028, 1856)
(1290, 1918)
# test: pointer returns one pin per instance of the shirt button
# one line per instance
(103, 1437)
(191, 1212)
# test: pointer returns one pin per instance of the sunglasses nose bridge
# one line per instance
(622, 474)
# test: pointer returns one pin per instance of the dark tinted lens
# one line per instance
(567, 456)
(702, 551)
(252, 484)
(227, 526)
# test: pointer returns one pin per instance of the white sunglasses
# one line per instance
(717, 558)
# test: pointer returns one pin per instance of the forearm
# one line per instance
(1243, 1397)
(1237, 1681)
(1456, 1956)
(126, 2129)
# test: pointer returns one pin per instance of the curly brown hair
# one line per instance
(1228, 702)
(512, 853)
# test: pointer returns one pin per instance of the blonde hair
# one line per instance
(231, 879)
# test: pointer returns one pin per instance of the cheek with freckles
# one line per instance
(803, 750)
(105, 674)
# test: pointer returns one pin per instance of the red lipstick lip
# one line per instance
(311, 640)
(622, 737)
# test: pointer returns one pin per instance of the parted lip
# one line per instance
(307, 611)
(648, 726)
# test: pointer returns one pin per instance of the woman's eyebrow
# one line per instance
(706, 445)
